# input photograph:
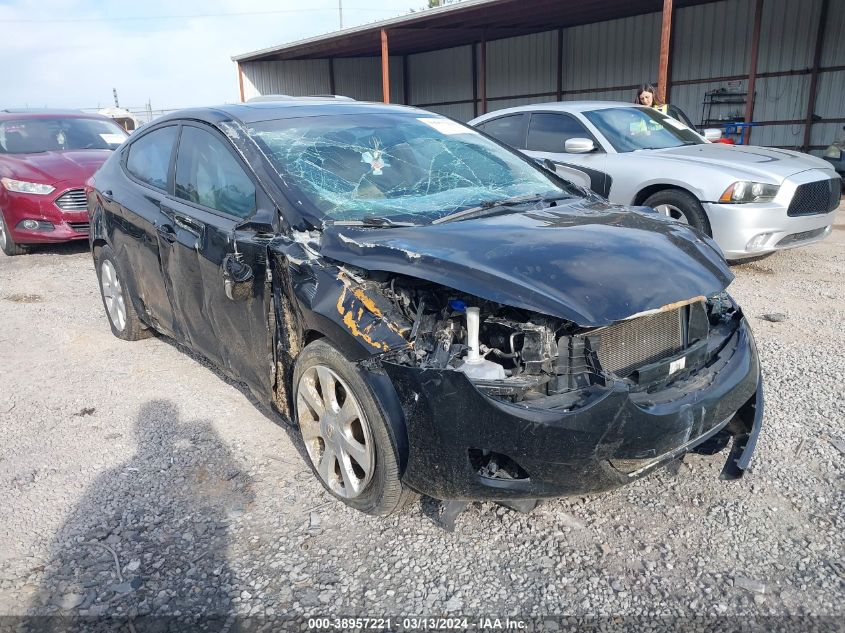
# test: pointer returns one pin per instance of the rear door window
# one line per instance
(509, 129)
(548, 132)
(209, 175)
(149, 156)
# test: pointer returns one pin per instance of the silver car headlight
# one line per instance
(23, 186)
(745, 191)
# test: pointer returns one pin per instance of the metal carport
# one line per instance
(475, 56)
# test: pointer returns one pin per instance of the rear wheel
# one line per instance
(681, 206)
(123, 319)
(345, 432)
(7, 244)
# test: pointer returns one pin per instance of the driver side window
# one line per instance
(209, 175)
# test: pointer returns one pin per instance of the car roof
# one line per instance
(562, 106)
(257, 111)
(46, 113)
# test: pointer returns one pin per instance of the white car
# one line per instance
(751, 200)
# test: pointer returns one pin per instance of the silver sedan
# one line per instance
(751, 200)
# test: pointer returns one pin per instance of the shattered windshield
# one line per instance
(631, 129)
(406, 166)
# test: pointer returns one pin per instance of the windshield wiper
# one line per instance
(490, 206)
(370, 220)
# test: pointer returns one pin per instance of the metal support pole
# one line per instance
(385, 67)
(240, 81)
(332, 86)
(560, 64)
(665, 43)
(474, 79)
(406, 85)
(752, 70)
(814, 76)
(482, 83)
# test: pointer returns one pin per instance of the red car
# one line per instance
(45, 159)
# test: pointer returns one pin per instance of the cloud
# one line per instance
(171, 63)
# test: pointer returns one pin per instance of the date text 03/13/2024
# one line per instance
(417, 623)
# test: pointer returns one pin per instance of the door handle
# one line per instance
(166, 232)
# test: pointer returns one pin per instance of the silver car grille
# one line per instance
(72, 200)
(820, 196)
(630, 344)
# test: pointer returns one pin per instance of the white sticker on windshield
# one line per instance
(675, 124)
(112, 139)
(446, 126)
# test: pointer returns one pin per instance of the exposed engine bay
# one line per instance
(520, 356)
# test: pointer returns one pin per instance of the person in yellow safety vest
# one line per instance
(647, 96)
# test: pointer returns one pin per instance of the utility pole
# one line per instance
(114, 92)
(340, 12)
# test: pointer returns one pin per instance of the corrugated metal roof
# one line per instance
(459, 24)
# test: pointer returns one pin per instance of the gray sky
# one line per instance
(71, 53)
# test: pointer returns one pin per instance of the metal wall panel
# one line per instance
(459, 111)
(830, 95)
(712, 40)
(833, 53)
(501, 104)
(781, 98)
(789, 136)
(613, 53)
(438, 76)
(360, 78)
(294, 77)
(826, 133)
(788, 34)
(625, 96)
(522, 65)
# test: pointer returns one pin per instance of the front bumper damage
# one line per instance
(615, 436)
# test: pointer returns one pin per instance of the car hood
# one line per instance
(772, 165)
(587, 262)
(75, 166)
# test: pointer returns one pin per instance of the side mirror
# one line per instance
(712, 134)
(579, 146)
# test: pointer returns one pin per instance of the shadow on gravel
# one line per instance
(146, 548)
(272, 415)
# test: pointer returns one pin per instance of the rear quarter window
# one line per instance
(149, 156)
(509, 129)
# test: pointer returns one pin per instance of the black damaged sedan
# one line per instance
(438, 314)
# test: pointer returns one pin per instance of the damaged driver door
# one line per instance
(218, 237)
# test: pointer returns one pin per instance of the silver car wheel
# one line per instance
(671, 211)
(337, 436)
(2, 234)
(113, 295)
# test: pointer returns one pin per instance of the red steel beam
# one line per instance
(385, 67)
(814, 76)
(665, 45)
(752, 69)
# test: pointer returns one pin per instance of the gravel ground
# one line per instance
(136, 480)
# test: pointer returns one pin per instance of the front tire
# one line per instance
(681, 206)
(345, 432)
(7, 244)
(120, 311)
